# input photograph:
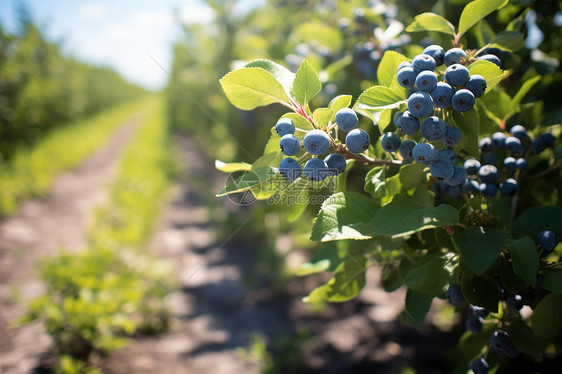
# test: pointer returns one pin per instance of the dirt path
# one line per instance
(39, 228)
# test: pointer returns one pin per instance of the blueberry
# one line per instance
(498, 140)
(511, 352)
(396, 117)
(426, 81)
(456, 75)
(285, 126)
(492, 58)
(424, 152)
(454, 191)
(471, 187)
(485, 144)
(452, 136)
(488, 174)
(514, 303)
(290, 168)
(477, 85)
(509, 188)
(406, 77)
(405, 64)
(454, 56)
(547, 138)
(471, 166)
(479, 366)
(317, 142)
(521, 164)
(408, 123)
(437, 52)
(441, 169)
(357, 140)
(390, 142)
(458, 177)
(538, 145)
(346, 119)
(290, 145)
(474, 324)
(513, 144)
(420, 104)
(488, 189)
(463, 100)
(510, 163)
(406, 148)
(455, 295)
(519, 132)
(423, 62)
(500, 340)
(442, 95)
(433, 128)
(490, 159)
(478, 311)
(548, 240)
(316, 169)
(336, 163)
(447, 154)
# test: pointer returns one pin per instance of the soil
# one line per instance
(37, 231)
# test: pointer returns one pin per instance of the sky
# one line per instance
(132, 36)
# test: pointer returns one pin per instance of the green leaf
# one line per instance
(299, 121)
(327, 259)
(525, 259)
(468, 123)
(475, 344)
(249, 88)
(431, 22)
(534, 220)
(374, 182)
(547, 316)
(306, 84)
(490, 71)
(249, 179)
(511, 281)
(294, 198)
(500, 209)
(480, 246)
(523, 338)
(386, 72)
(279, 72)
(319, 34)
(433, 274)
(412, 175)
(508, 41)
(417, 306)
(322, 116)
(524, 90)
(403, 216)
(379, 97)
(553, 281)
(232, 166)
(339, 102)
(482, 292)
(348, 280)
(345, 215)
(475, 11)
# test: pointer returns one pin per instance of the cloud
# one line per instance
(91, 11)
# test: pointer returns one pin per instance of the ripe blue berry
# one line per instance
(426, 81)
(498, 140)
(437, 52)
(406, 77)
(488, 189)
(485, 144)
(548, 240)
(336, 163)
(510, 163)
(472, 166)
(316, 169)
(346, 119)
(474, 324)
(458, 177)
(477, 85)
(513, 144)
(447, 154)
(290, 168)
(317, 142)
(406, 148)
(522, 164)
(452, 136)
(405, 64)
(463, 100)
(290, 145)
(285, 126)
(424, 152)
(454, 56)
(441, 169)
(490, 159)
(509, 187)
(479, 366)
(500, 340)
(408, 123)
(420, 104)
(423, 62)
(456, 75)
(442, 95)
(357, 140)
(471, 186)
(433, 128)
(538, 145)
(479, 311)
(514, 303)
(488, 174)
(547, 138)
(455, 295)
(492, 58)
(390, 142)
(519, 132)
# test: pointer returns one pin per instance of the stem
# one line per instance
(366, 159)
(544, 172)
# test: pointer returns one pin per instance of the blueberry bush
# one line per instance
(460, 193)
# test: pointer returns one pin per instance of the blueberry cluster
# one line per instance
(317, 142)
